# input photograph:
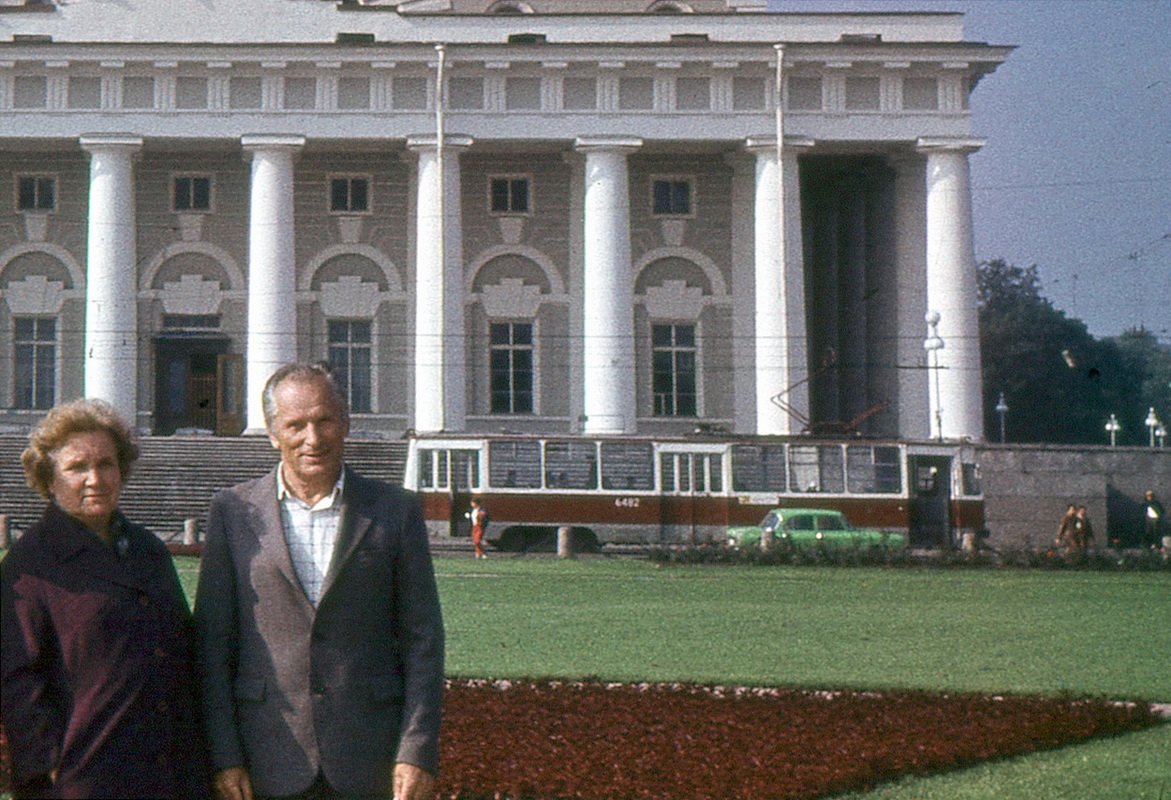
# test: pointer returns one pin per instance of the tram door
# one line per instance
(688, 480)
(929, 519)
(463, 476)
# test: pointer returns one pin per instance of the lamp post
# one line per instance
(933, 344)
(1113, 427)
(1002, 410)
(1152, 422)
(1161, 433)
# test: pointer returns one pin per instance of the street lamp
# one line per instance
(1151, 422)
(1113, 427)
(1161, 433)
(933, 344)
(1002, 410)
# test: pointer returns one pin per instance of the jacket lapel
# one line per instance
(265, 523)
(355, 521)
(74, 541)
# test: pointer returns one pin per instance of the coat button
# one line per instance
(144, 600)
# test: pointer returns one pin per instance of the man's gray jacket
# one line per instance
(346, 689)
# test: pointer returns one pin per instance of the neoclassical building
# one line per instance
(596, 216)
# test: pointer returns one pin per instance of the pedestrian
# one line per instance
(97, 679)
(478, 515)
(1154, 518)
(1083, 530)
(320, 636)
(1065, 529)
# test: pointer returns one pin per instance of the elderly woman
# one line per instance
(96, 673)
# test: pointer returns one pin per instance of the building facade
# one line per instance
(608, 217)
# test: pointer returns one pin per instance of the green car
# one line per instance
(813, 527)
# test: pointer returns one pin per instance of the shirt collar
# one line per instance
(283, 493)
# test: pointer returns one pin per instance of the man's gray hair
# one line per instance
(318, 371)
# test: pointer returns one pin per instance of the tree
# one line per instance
(1141, 350)
(1060, 384)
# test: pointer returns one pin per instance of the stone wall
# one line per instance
(1027, 488)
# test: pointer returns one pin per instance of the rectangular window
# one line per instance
(35, 380)
(300, 93)
(747, 94)
(816, 468)
(353, 93)
(671, 197)
(191, 193)
(628, 466)
(84, 92)
(804, 94)
(514, 465)
(465, 93)
(349, 195)
(511, 367)
(522, 94)
(874, 469)
(191, 93)
(449, 469)
(138, 91)
(636, 94)
(579, 94)
(36, 193)
(30, 91)
(571, 465)
(920, 94)
(410, 93)
(510, 195)
(758, 468)
(673, 370)
(350, 361)
(244, 92)
(686, 473)
(693, 94)
(862, 94)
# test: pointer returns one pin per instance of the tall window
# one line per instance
(36, 362)
(673, 379)
(36, 193)
(349, 195)
(191, 193)
(671, 197)
(510, 195)
(350, 361)
(511, 367)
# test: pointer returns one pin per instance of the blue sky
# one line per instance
(1076, 173)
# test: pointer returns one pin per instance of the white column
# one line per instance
(780, 336)
(440, 369)
(272, 309)
(951, 288)
(111, 284)
(608, 288)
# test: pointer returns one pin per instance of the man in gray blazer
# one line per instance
(320, 638)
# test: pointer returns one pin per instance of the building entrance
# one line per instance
(197, 386)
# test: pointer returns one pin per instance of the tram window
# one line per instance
(971, 479)
(872, 470)
(443, 469)
(432, 469)
(816, 468)
(758, 468)
(691, 472)
(627, 466)
(514, 465)
(571, 465)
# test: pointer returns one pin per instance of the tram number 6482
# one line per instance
(626, 502)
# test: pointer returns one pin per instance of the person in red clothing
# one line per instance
(479, 519)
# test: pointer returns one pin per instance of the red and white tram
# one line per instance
(645, 490)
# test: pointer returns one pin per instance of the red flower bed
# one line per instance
(557, 740)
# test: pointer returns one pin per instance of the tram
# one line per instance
(638, 490)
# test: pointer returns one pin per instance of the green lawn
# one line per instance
(1086, 633)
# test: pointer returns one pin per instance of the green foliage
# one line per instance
(1060, 383)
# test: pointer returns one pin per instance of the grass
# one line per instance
(1083, 633)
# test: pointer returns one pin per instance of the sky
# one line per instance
(1075, 176)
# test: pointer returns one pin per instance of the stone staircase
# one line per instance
(176, 476)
